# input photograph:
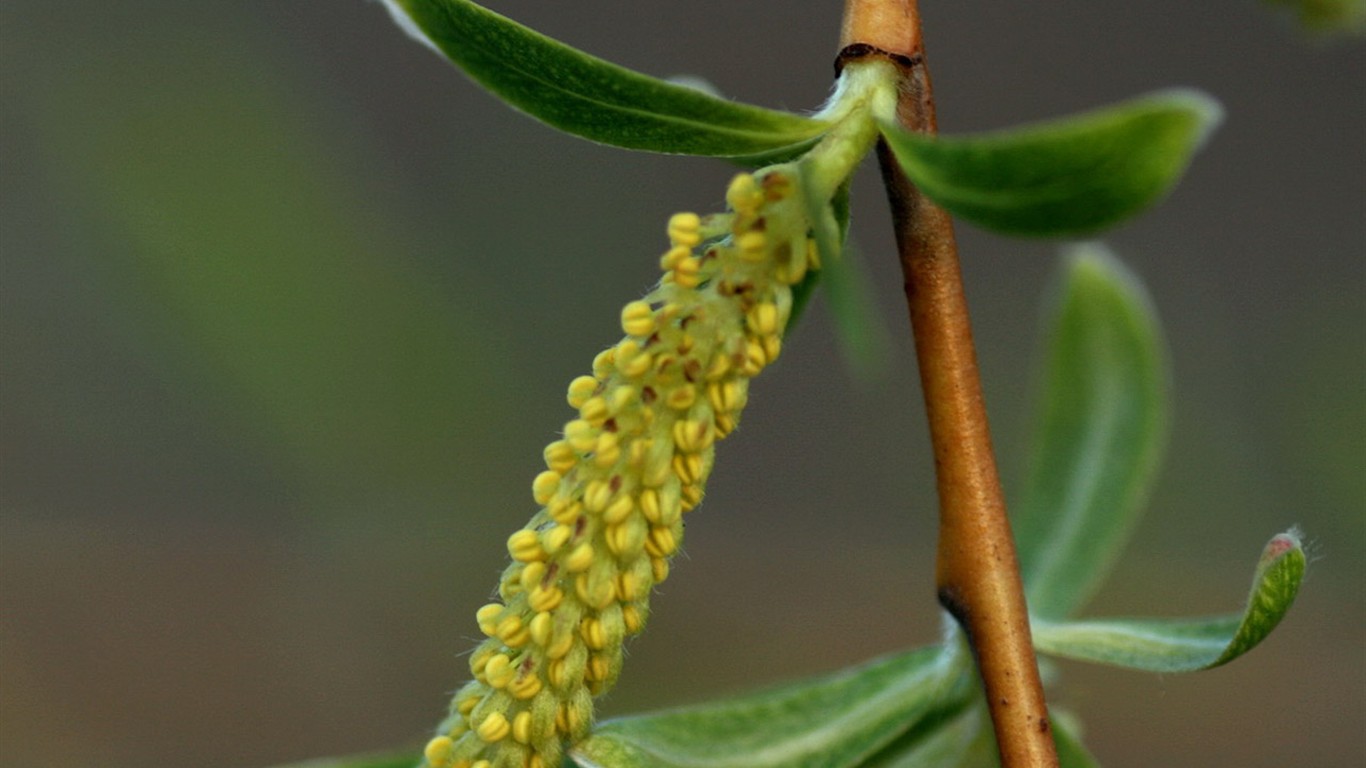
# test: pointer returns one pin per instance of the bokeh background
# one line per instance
(289, 307)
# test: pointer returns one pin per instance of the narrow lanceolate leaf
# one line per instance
(1065, 177)
(1102, 422)
(1155, 645)
(588, 97)
(832, 722)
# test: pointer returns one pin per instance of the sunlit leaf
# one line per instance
(1065, 177)
(1101, 425)
(1156, 645)
(588, 97)
(835, 721)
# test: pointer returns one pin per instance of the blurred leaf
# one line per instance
(588, 97)
(1064, 177)
(1328, 15)
(862, 337)
(1102, 421)
(371, 760)
(286, 302)
(1071, 752)
(835, 721)
(1155, 645)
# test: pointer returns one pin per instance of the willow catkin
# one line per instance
(618, 482)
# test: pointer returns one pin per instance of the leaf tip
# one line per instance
(406, 23)
(1207, 112)
(1282, 544)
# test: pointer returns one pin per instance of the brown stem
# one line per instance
(977, 574)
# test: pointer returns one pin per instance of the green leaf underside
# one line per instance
(1065, 177)
(597, 100)
(1102, 422)
(1156, 645)
(836, 721)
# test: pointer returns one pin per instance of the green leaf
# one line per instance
(839, 208)
(1065, 177)
(863, 337)
(1102, 422)
(405, 759)
(1071, 752)
(964, 739)
(1156, 645)
(1328, 16)
(588, 97)
(835, 721)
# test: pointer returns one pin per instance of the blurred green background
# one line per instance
(289, 307)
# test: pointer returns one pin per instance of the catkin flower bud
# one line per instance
(634, 459)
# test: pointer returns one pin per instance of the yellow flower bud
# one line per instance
(544, 598)
(632, 619)
(753, 246)
(544, 486)
(554, 539)
(684, 229)
(512, 632)
(580, 558)
(499, 671)
(493, 728)
(659, 568)
(597, 496)
(580, 390)
(602, 366)
(487, 617)
(438, 751)
(564, 511)
(524, 687)
(661, 542)
(559, 457)
(540, 628)
(525, 546)
(637, 319)
(687, 273)
(521, 728)
(743, 195)
(618, 510)
(581, 435)
(607, 451)
(762, 319)
(594, 634)
(681, 398)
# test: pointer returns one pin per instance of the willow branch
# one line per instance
(977, 573)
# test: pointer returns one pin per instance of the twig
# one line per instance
(978, 576)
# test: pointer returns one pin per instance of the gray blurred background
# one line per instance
(289, 307)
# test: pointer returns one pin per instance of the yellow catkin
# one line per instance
(633, 459)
